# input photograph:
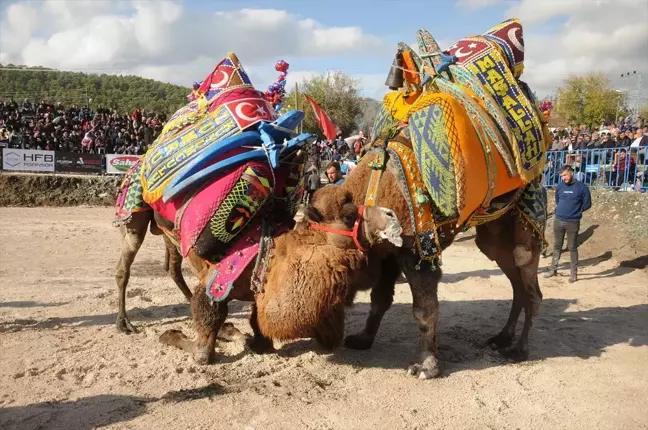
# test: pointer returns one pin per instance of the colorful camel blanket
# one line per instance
(475, 128)
(488, 68)
(233, 106)
(220, 165)
(129, 197)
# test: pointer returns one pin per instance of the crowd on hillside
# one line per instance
(57, 127)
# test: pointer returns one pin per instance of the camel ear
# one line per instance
(344, 197)
(313, 215)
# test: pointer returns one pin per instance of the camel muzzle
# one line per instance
(393, 230)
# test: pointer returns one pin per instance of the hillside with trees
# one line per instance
(123, 93)
(338, 94)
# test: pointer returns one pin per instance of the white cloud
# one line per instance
(608, 36)
(477, 4)
(163, 40)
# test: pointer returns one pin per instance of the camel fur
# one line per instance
(507, 241)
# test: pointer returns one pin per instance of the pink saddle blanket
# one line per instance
(229, 269)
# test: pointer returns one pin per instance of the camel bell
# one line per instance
(395, 78)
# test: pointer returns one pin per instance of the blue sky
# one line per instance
(180, 41)
(392, 21)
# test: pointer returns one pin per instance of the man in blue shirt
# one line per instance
(572, 199)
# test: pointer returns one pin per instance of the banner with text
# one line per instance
(74, 162)
(119, 164)
(27, 160)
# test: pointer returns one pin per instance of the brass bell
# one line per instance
(395, 78)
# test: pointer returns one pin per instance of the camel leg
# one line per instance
(132, 237)
(259, 344)
(208, 319)
(517, 253)
(173, 265)
(167, 258)
(330, 330)
(424, 285)
(382, 295)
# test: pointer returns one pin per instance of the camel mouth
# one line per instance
(393, 231)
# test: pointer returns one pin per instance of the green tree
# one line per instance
(336, 93)
(123, 93)
(589, 99)
(369, 109)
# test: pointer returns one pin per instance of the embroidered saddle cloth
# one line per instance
(219, 164)
(475, 128)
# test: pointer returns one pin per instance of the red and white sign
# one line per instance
(119, 164)
(249, 111)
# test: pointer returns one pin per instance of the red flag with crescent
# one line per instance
(327, 125)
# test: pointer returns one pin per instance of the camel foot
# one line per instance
(229, 333)
(516, 354)
(502, 340)
(261, 345)
(173, 338)
(428, 370)
(360, 341)
(125, 326)
(204, 355)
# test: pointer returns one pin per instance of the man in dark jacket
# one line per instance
(572, 199)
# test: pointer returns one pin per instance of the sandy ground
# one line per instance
(64, 366)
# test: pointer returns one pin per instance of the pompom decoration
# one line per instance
(546, 107)
(194, 91)
(277, 90)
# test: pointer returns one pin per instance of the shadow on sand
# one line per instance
(30, 304)
(94, 412)
(151, 315)
(464, 326)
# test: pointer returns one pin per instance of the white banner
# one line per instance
(119, 164)
(27, 160)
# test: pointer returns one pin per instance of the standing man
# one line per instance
(572, 199)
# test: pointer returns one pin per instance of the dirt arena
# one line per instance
(64, 366)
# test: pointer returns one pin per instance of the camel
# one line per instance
(459, 143)
(506, 240)
(304, 292)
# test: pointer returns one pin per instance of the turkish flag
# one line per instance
(250, 111)
(328, 127)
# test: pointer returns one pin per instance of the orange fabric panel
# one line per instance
(503, 182)
(470, 150)
(411, 71)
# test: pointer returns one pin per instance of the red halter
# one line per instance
(352, 234)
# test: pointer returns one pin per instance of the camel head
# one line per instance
(332, 210)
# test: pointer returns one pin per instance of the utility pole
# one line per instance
(634, 94)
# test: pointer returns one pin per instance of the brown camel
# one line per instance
(306, 285)
(507, 241)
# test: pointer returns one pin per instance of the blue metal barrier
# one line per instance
(617, 168)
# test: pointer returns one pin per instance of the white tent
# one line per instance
(351, 139)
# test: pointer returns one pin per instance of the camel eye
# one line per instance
(349, 214)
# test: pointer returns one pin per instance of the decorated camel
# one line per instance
(459, 143)
(222, 184)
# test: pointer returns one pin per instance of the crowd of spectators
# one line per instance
(614, 153)
(606, 136)
(57, 127)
